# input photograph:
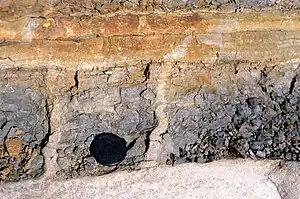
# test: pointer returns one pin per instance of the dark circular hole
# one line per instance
(108, 149)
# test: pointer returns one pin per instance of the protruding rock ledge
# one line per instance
(222, 179)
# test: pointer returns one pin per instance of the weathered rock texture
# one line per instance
(118, 101)
(12, 9)
(180, 81)
(240, 109)
(24, 121)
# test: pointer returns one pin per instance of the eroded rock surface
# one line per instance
(24, 129)
(126, 111)
(252, 112)
(16, 9)
(213, 79)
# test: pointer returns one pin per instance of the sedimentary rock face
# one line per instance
(24, 127)
(113, 107)
(177, 80)
(248, 112)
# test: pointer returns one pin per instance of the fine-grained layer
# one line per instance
(110, 107)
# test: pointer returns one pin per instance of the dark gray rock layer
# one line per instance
(257, 116)
(24, 129)
(127, 112)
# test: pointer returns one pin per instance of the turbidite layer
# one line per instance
(195, 85)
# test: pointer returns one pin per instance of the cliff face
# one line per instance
(180, 81)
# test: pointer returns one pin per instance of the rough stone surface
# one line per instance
(16, 9)
(126, 111)
(223, 179)
(180, 80)
(24, 127)
(251, 112)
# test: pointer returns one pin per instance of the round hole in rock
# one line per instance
(108, 149)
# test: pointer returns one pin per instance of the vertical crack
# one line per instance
(4, 124)
(262, 81)
(147, 72)
(45, 140)
(74, 88)
(292, 85)
(147, 141)
(76, 79)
